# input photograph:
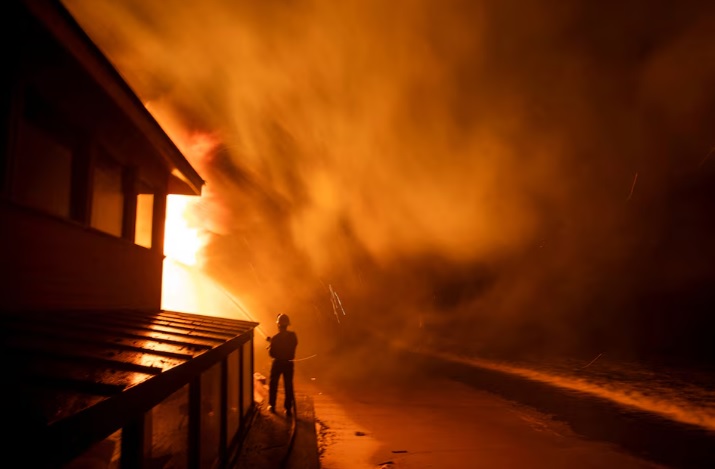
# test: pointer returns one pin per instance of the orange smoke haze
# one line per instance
(426, 157)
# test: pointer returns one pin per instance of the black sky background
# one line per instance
(512, 177)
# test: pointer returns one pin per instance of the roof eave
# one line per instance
(61, 24)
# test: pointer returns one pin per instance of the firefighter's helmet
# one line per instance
(283, 320)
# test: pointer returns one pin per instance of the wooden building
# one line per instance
(92, 367)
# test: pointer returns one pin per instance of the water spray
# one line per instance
(243, 309)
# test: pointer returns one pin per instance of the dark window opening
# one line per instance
(43, 171)
(107, 195)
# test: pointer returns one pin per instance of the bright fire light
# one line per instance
(185, 287)
(181, 241)
(180, 287)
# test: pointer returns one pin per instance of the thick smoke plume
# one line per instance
(502, 174)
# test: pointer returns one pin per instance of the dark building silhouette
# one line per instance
(93, 368)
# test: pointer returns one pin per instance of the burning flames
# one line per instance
(181, 246)
(181, 241)
(185, 287)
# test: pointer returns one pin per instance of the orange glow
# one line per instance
(446, 158)
(181, 242)
(670, 407)
(181, 290)
(185, 287)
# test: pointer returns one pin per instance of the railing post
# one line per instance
(250, 376)
(223, 431)
(137, 442)
(240, 388)
(194, 443)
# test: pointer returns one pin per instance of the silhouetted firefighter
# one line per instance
(282, 350)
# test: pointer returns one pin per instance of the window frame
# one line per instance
(28, 106)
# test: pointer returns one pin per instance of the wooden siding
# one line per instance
(53, 263)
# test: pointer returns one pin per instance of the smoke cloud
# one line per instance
(498, 174)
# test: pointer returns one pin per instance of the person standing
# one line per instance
(282, 351)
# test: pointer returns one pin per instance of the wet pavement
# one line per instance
(277, 441)
(419, 413)
(420, 420)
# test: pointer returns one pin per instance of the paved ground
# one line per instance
(400, 416)
(276, 441)
(440, 423)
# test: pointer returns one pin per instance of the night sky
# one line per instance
(508, 177)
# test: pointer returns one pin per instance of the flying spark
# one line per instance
(592, 361)
(633, 186)
(335, 300)
(707, 157)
